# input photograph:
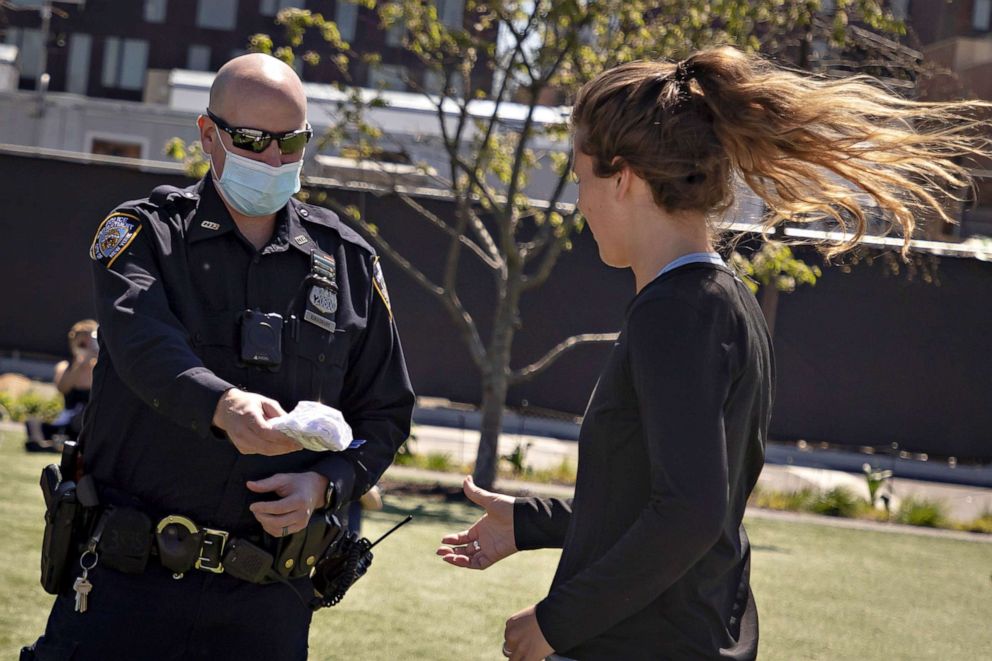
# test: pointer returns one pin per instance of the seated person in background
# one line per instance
(74, 380)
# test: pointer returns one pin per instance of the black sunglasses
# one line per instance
(257, 140)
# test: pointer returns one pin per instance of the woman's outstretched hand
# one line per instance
(490, 539)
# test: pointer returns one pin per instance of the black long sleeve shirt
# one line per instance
(172, 277)
(655, 561)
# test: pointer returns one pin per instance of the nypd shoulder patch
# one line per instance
(114, 235)
(380, 284)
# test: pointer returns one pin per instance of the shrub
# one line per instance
(982, 524)
(788, 501)
(920, 512)
(518, 459)
(837, 502)
(29, 405)
(438, 461)
(563, 473)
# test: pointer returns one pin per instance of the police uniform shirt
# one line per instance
(655, 561)
(173, 275)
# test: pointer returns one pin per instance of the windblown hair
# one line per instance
(811, 148)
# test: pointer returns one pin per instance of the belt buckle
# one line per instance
(212, 550)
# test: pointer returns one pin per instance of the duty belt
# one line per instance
(209, 555)
(126, 540)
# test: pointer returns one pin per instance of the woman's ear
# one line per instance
(624, 180)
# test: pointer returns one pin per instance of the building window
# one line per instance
(217, 14)
(980, 14)
(450, 12)
(29, 45)
(155, 11)
(900, 9)
(434, 81)
(124, 63)
(388, 77)
(273, 7)
(198, 58)
(346, 16)
(115, 147)
(78, 68)
(395, 34)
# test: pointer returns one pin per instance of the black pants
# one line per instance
(200, 616)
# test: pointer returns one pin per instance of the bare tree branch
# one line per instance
(547, 265)
(535, 246)
(434, 220)
(463, 320)
(535, 368)
(480, 229)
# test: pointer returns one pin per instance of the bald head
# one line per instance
(253, 88)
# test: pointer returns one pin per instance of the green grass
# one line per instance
(822, 592)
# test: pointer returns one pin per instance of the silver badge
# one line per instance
(324, 299)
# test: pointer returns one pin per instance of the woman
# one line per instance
(74, 381)
(655, 561)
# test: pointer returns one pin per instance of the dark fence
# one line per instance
(864, 358)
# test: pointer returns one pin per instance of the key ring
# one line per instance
(96, 558)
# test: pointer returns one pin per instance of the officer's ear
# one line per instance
(208, 132)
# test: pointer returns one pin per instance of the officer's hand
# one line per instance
(490, 539)
(300, 494)
(245, 417)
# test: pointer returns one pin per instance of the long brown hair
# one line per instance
(811, 148)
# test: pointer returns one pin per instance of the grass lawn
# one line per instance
(823, 593)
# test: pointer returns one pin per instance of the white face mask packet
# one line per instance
(316, 427)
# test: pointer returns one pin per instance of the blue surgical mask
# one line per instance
(255, 188)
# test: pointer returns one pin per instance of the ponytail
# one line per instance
(812, 149)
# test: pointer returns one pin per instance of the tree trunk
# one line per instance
(496, 380)
(493, 398)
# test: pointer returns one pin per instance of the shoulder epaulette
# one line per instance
(327, 218)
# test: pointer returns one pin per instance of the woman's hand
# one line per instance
(490, 539)
(523, 639)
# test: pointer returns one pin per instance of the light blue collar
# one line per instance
(692, 258)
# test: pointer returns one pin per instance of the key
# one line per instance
(82, 587)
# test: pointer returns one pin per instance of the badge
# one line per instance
(114, 235)
(324, 299)
(380, 285)
(210, 225)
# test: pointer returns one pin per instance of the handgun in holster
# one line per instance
(68, 507)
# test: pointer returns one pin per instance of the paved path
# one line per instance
(408, 474)
(961, 502)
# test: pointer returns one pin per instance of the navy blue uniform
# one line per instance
(172, 278)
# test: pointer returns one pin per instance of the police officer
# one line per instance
(221, 306)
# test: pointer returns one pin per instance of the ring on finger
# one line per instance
(476, 545)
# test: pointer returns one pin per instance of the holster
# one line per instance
(68, 507)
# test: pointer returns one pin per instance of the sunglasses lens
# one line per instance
(294, 143)
(251, 143)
